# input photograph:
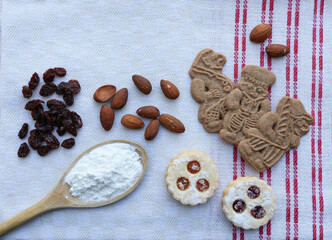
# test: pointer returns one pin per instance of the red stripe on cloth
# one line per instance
(236, 76)
(287, 174)
(320, 96)
(313, 98)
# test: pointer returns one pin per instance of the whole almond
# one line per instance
(104, 93)
(171, 123)
(106, 117)
(132, 122)
(120, 99)
(169, 89)
(152, 129)
(148, 112)
(142, 84)
(260, 33)
(277, 50)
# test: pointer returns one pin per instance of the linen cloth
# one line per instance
(106, 42)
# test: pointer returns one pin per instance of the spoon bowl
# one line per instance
(60, 196)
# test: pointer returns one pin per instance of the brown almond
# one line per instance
(169, 89)
(104, 93)
(120, 99)
(106, 117)
(171, 123)
(148, 112)
(142, 84)
(260, 33)
(132, 122)
(277, 50)
(152, 129)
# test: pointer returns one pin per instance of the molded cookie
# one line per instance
(246, 103)
(192, 177)
(209, 87)
(275, 134)
(248, 202)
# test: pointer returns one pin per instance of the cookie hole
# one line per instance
(202, 185)
(253, 192)
(193, 167)
(257, 212)
(239, 206)
(182, 183)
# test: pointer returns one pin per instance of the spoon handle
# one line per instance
(50, 202)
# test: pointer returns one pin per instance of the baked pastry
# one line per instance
(248, 202)
(192, 177)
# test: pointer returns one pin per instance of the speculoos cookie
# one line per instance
(246, 103)
(209, 87)
(275, 134)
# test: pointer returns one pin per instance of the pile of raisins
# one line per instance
(58, 116)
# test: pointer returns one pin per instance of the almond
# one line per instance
(260, 33)
(142, 84)
(106, 117)
(169, 89)
(148, 112)
(152, 129)
(120, 99)
(171, 123)
(104, 93)
(277, 50)
(132, 122)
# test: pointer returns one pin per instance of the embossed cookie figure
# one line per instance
(209, 87)
(246, 103)
(275, 134)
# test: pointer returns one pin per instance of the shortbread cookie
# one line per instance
(246, 103)
(248, 202)
(275, 134)
(209, 87)
(192, 177)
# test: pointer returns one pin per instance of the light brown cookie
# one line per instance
(275, 134)
(192, 177)
(248, 202)
(246, 103)
(209, 87)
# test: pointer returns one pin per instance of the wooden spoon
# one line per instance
(60, 196)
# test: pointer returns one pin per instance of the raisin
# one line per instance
(24, 150)
(76, 119)
(45, 128)
(47, 89)
(253, 192)
(68, 97)
(69, 126)
(37, 112)
(239, 206)
(61, 88)
(33, 104)
(49, 75)
(74, 86)
(43, 150)
(68, 143)
(24, 130)
(51, 141)
(34, 81)
(54, 104)
(35, 140)
(60, 72)
(27, 92)
(61, 131)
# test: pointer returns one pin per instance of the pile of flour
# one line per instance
(105, 172)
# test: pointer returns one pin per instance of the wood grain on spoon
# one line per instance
(60, 196)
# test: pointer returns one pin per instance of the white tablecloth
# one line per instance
(106, 42)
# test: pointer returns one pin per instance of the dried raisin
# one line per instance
(34, 81)
(49, 75)
(43, 150)
(24, 150)
(26, 91)
(60, 72)
(74, 86)
(33, 104)
(51, 141)
(69, 126)
(24, 130)
(61, 131)
(61, 88)
(68, 143)
(68, 97)
(54, 104)
(47, 89)
(76, 119)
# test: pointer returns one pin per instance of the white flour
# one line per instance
(105, 172)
